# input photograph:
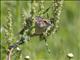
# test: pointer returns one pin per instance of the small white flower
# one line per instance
(70, 55)
(18, 48)
(27, 57)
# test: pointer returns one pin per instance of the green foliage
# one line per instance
(66, 40)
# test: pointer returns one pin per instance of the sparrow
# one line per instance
(41, 24)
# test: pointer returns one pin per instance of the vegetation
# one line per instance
(65, 41)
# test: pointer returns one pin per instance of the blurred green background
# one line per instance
(66, 40)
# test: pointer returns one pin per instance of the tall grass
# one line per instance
(66, 40)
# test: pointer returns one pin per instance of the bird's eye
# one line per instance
(45, 21)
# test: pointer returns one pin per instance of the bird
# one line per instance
(41, 25)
